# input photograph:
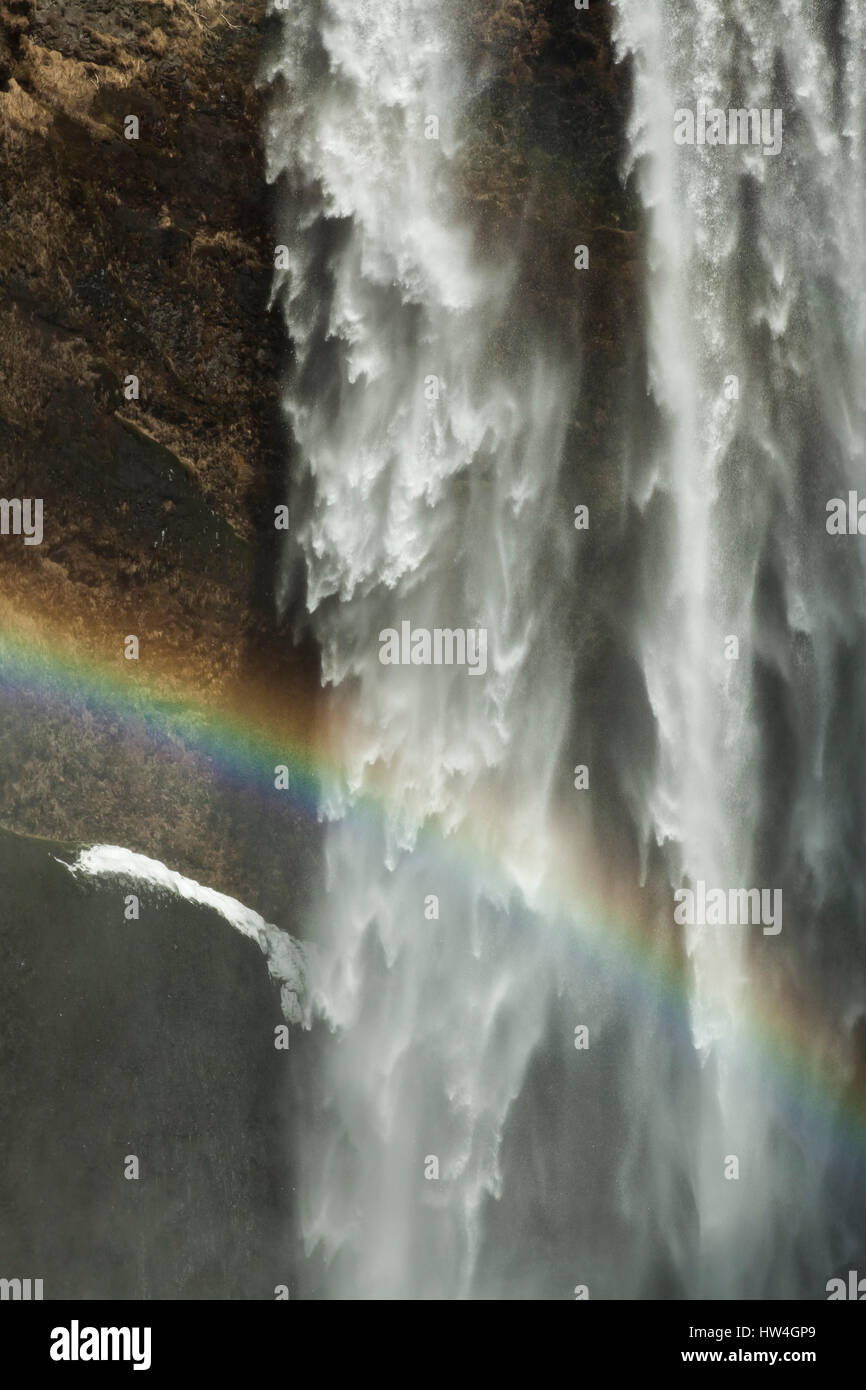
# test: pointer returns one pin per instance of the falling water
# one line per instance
(430, 433)
(430, 486)
(755, 291)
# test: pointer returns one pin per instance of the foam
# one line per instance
(288, 961)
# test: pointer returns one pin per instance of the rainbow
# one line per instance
(784, 1041)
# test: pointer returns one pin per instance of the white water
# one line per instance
(288, 960)
(450, 512)
(755, 267)
(443, 512)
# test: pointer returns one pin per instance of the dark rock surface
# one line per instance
(155, 1039)
(153, 258)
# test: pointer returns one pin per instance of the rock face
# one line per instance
(152, 1039)
(148, 258)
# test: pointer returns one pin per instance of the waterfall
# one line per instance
(430, 432)
(447, 1145)
(755, 293)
